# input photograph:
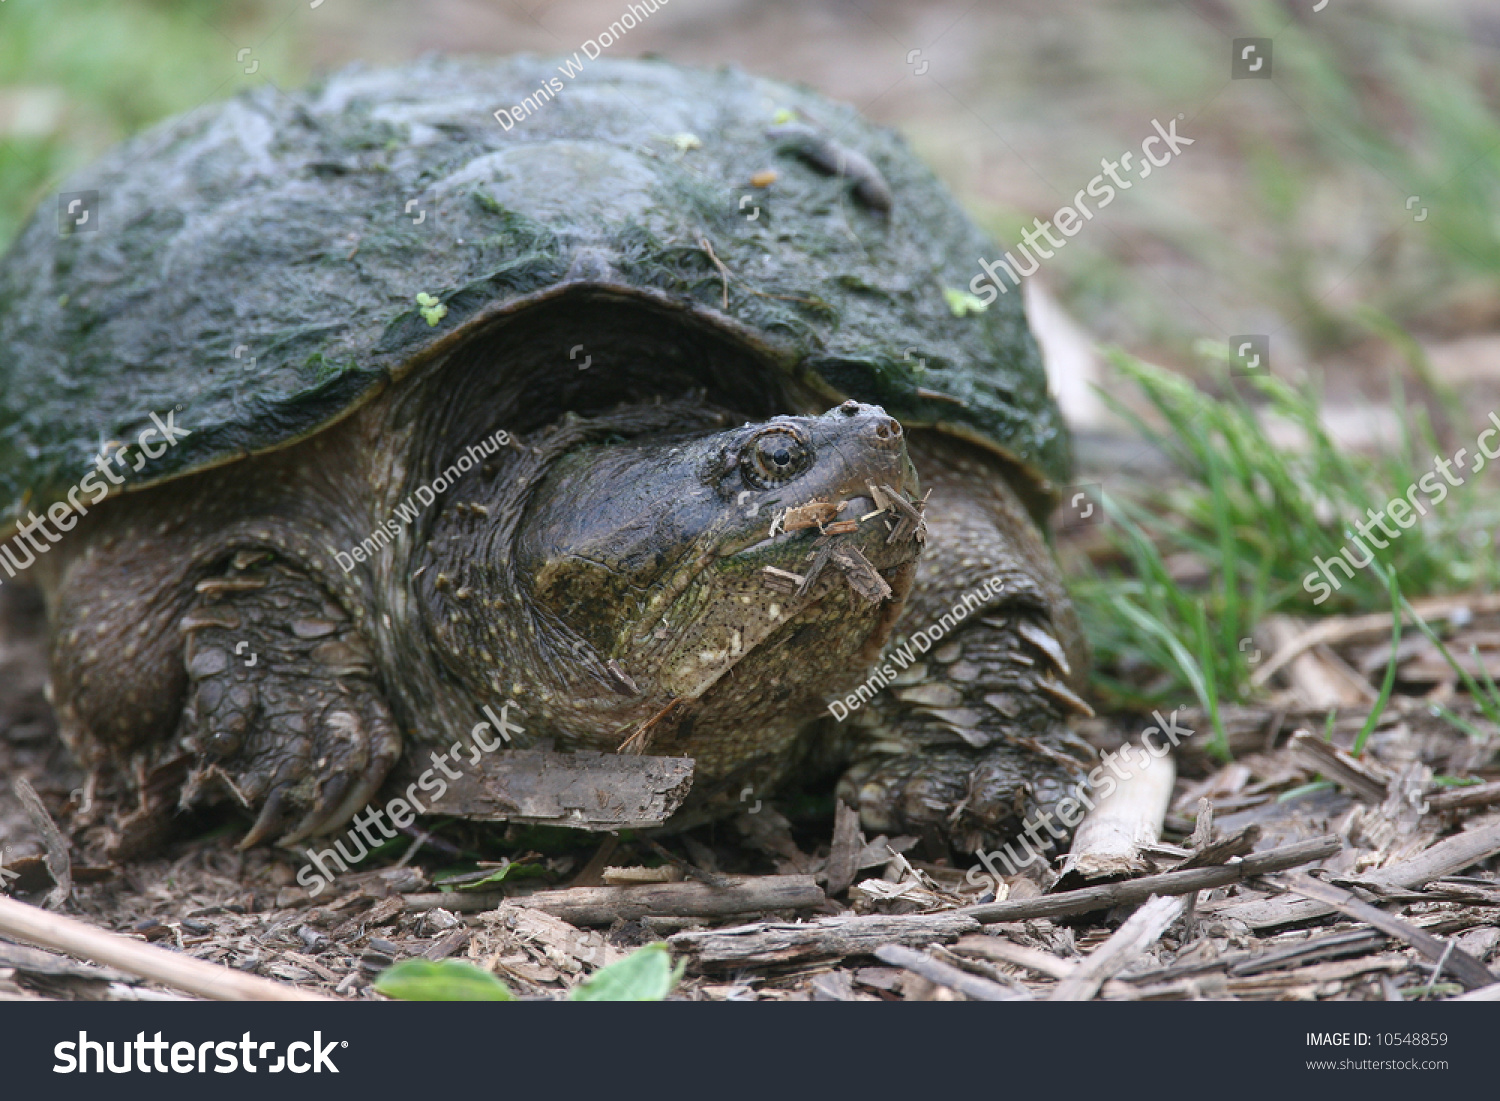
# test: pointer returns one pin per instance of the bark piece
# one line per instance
(824, 939)
(585, 790)
(743, 895)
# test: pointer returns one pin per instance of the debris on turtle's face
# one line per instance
(677, 558)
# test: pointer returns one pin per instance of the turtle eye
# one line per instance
(775, 456)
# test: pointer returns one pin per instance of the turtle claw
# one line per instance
(346, 793)
(973, 800)
(273, 814)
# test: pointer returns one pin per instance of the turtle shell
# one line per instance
(261, 266)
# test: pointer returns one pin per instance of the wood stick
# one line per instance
(1140, 931)
(85, 942)
(1132, 891)
(1445, 858)
(1476, 795)
(1108, 840)
(1464, 967)
(743, 895)
(827, 938)
(945, 974)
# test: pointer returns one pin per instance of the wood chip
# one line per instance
(59, 862)
(910, 525)
(781, 581)
(944, 974)
(844, 852)
(1464, 967)
(813, 514)
(1240, 843)
(862, 575)
(1000, 950)
(1363, 779)
(1140, 931)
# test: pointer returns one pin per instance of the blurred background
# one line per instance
(1342, 201)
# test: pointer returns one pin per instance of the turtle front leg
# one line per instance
(969, 743)
(283, 708)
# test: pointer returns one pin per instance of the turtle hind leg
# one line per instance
(283, 710)
(970, 742)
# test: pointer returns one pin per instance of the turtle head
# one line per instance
(765, 564)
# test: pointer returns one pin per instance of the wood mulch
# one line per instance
(1242, 880)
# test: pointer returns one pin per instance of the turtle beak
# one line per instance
(873, 445)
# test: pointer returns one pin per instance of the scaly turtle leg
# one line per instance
(970, 741)
(283, 708)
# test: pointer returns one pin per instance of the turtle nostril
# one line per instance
(895, 430)
(882, 431)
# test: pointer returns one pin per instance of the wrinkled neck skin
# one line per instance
(608, 577)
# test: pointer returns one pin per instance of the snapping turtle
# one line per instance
(640, 399)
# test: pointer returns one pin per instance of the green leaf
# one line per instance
(444, 981)
(962, 303)
(646, 975)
